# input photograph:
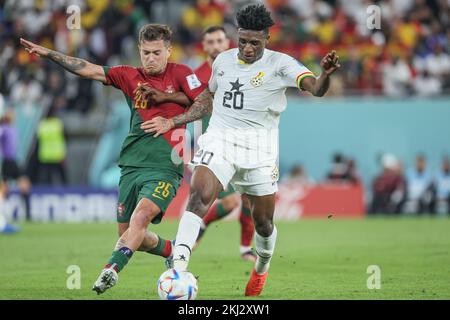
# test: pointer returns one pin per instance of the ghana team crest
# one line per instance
(258, 79)
(275, 175)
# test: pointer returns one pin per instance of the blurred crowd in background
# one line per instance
(408, 55)
(415, 190)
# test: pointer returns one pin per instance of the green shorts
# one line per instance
(225, 193)
(159, 186)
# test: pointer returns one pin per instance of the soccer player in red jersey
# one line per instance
(215, 41)
(150, 171)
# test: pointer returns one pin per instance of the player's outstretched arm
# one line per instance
(77, 66)
(319, 86)
(201, 107)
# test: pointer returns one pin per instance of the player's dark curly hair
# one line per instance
(254, 17)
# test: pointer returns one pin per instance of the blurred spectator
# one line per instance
(343, 170)
(426, 85)
(396, 78)
(10, 168)
(376, 61)
(352, 173)
(298, 175)
(2, 104)
(419, 188)
(26, 92)
(388, 188)
(339, 168)
(438, 64)
(443, 188)
(51, 149)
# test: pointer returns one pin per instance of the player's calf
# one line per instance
(204, 190)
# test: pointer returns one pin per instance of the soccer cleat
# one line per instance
(249, 256)
(168, 262)
(256, 284)
(107, 279)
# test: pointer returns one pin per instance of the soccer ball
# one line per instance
(177, 285)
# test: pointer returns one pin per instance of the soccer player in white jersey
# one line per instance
(240, 144)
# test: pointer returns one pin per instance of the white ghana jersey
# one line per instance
(249, 98)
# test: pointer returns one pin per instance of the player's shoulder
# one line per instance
(203, 67)
(122, 71)
(179, 68)
(277, 57)
(282, 61)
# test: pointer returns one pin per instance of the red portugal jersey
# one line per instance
(141, 149)
(203, 72)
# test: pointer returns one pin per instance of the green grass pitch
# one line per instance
(314, 259)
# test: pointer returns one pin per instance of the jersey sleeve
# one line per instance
(189, 83)
(292, 72)
(212, 83)
(118, 76)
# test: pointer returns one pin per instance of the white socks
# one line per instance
(264, 251)
(188, 230)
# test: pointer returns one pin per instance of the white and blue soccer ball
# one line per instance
(177, 285)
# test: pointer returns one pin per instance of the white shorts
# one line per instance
(257, 180)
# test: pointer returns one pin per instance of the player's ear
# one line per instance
(169, 51)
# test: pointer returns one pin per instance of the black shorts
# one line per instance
(10, 170)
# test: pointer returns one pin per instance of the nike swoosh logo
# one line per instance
(156, 196)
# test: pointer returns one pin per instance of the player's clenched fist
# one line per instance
(330, 63)
(152, 95)
(158, 125)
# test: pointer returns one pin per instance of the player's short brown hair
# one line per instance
(212, 29)
(154, 32)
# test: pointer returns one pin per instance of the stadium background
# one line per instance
(387, 104)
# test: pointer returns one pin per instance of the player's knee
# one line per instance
(141, 219)
(199, 201)
(263, 227)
